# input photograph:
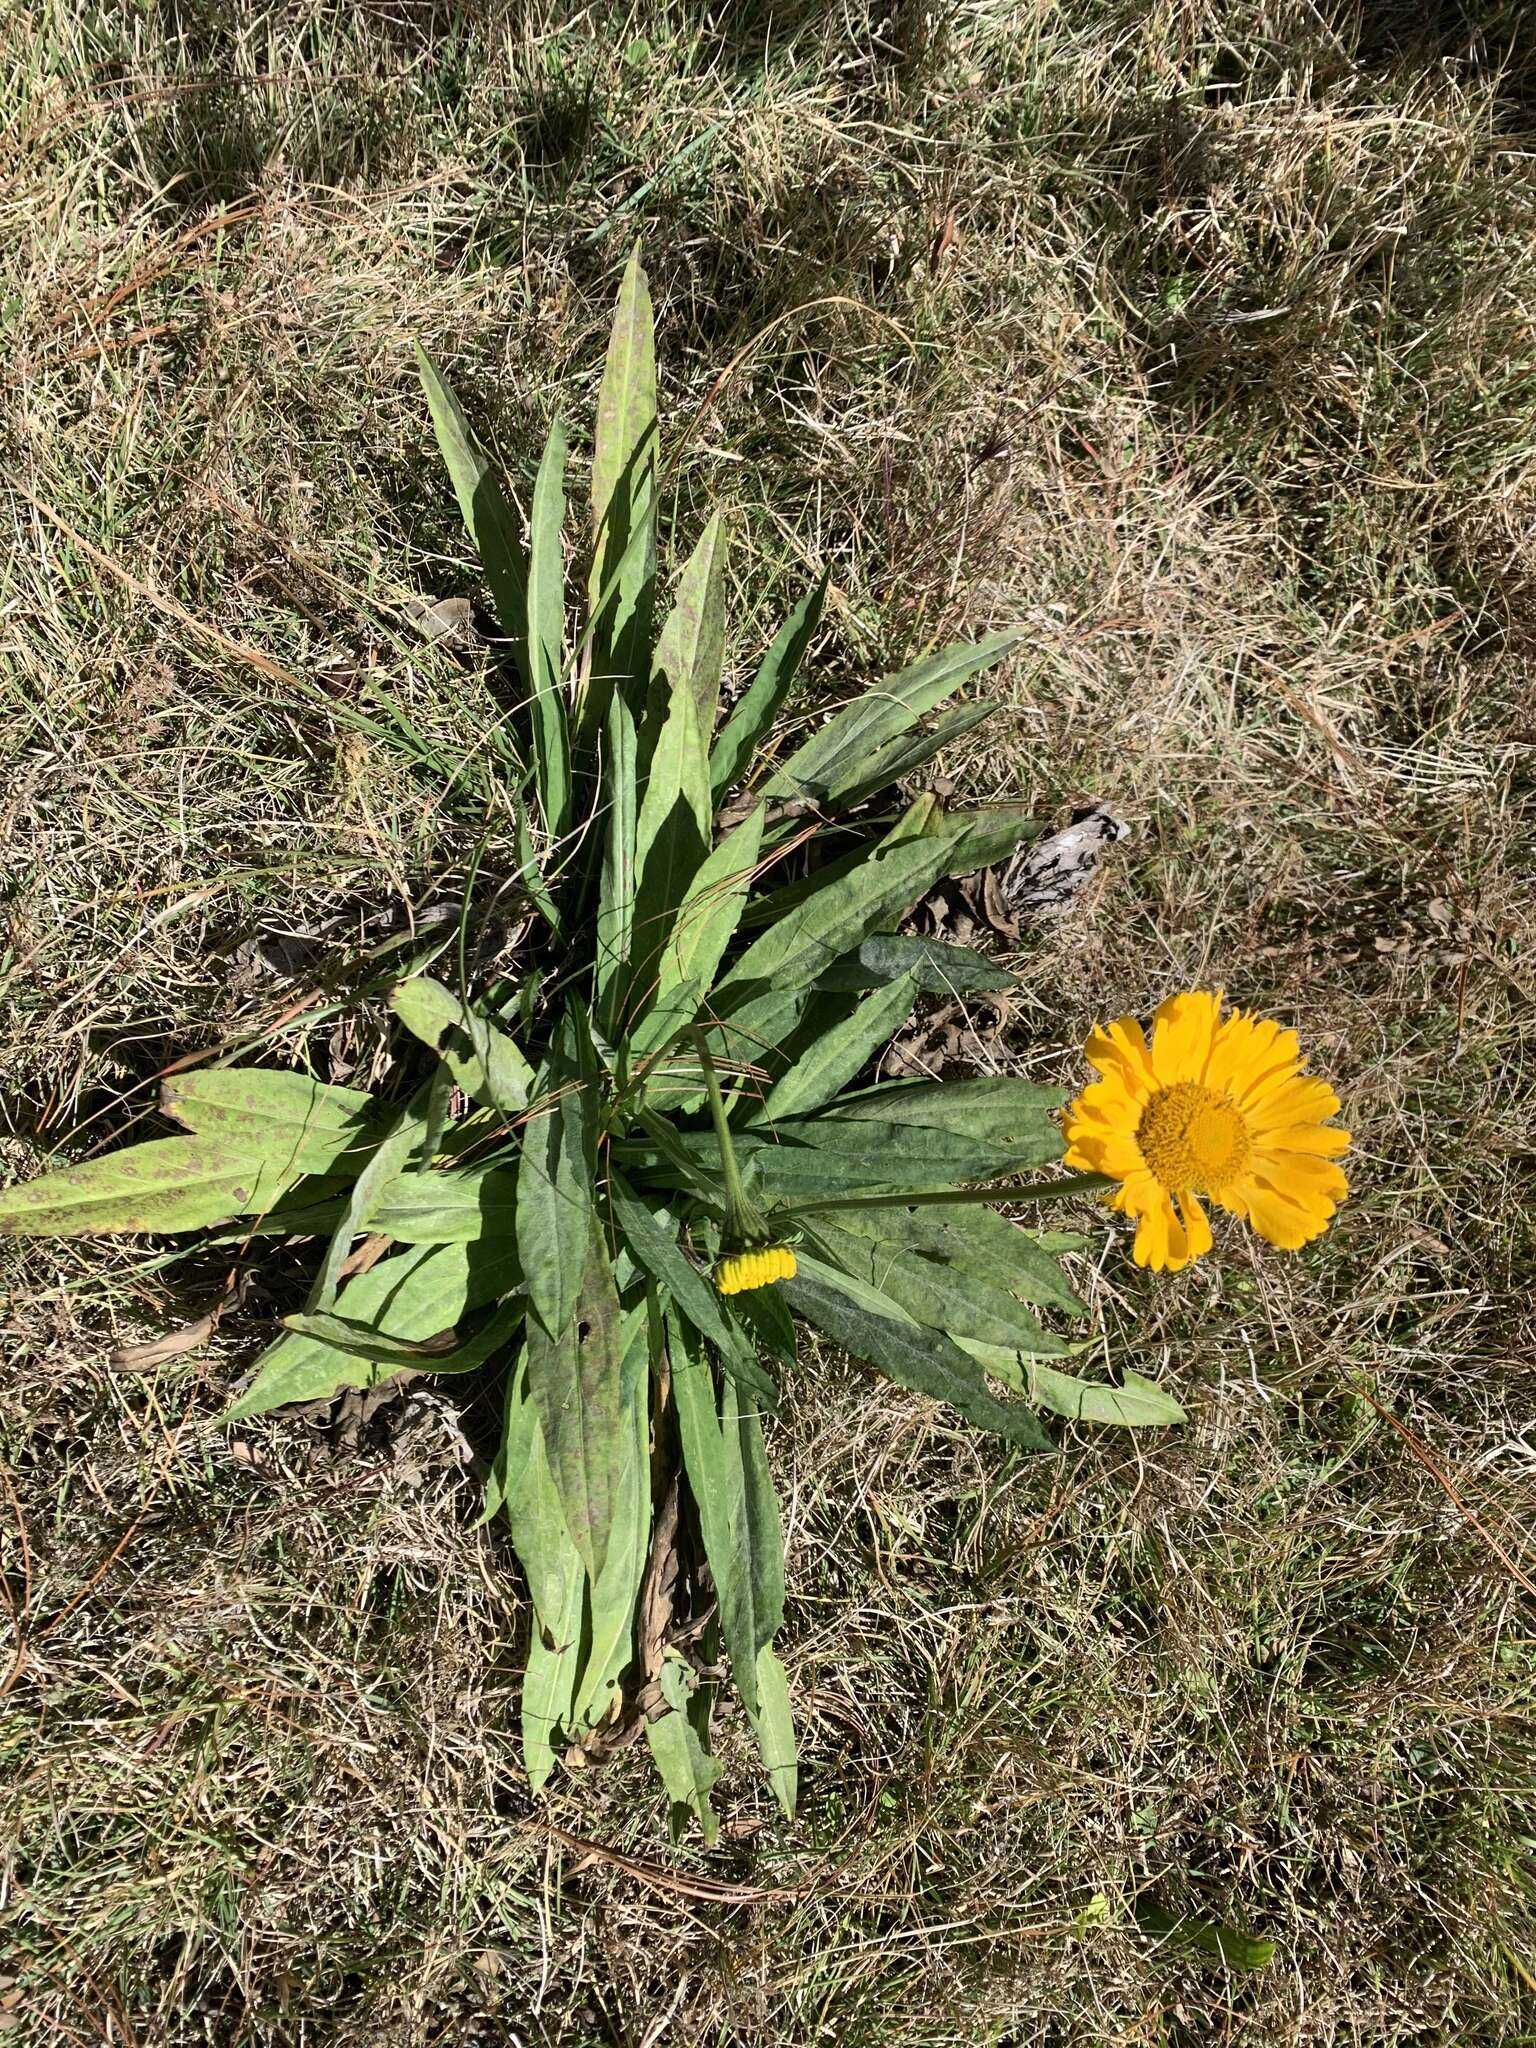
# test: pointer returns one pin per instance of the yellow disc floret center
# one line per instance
(1193, 1138)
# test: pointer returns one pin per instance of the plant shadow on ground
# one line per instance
(261, 1763)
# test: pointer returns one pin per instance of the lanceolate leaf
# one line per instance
(872, 1326)
(1017, 1116)
(690, 649)
(557, 1579)
(819, 930)
(840, 1053)
(410, 1137)
(480, 1056)
(961, 1305)
(555, 1212)
(167, 1184)
(974, 1243)
(452, 1208)
(671, 838)
(488, 517)
(576, 1380)
(687, 1769)
(301, 1125)
(738, 1516)
(937, 967)
(816, 1158)
(616, 900)
(360, 1340)
(774, 1726)
(413, 1296)
(657, 1252)
(624, 504)
(1137, 1403)
(753, 715)
(610, 1625)
(546, 638)
(834, 758)
(705, 925)
(900, 757)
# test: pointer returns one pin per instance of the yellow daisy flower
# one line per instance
(741, 1272)
(1213, 1106)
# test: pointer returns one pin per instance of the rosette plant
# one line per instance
(626, 1190)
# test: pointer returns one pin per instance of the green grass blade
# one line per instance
(752, 716)
(488, 518)
(546, 639)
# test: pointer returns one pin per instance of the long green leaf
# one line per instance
(899, 758)
(610, 1627)
(483, 1060)
(488, 518)
(975, 1243)
(554, 1187)
(938, 968)
(963, 1306)
(1014, 1115)
(690, 649)
(738, 1515)
(576, 1376)
(546, 638)
(1137, 1403)
(557, 1579)
(616, 895)
(624, 506)
(657, 1252)
(774, 1726)
(301, 1125)
(672, 838)
(359, 1340)
(705, 924)
(411, 1136)
(753, 715)
(452, 1208)
(834, 758)
(873, 1327)
(687, 1769)
(166, 1184)
(840, 1053)
(412, 1296)
(818, 931)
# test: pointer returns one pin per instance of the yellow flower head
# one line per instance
(1213, 1106)
(741, 1272)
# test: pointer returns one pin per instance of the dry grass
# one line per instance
(1222, 378)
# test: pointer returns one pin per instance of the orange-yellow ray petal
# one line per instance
(1182, 1032)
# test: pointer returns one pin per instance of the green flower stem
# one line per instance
(1073, 1184)
(741, 1218)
